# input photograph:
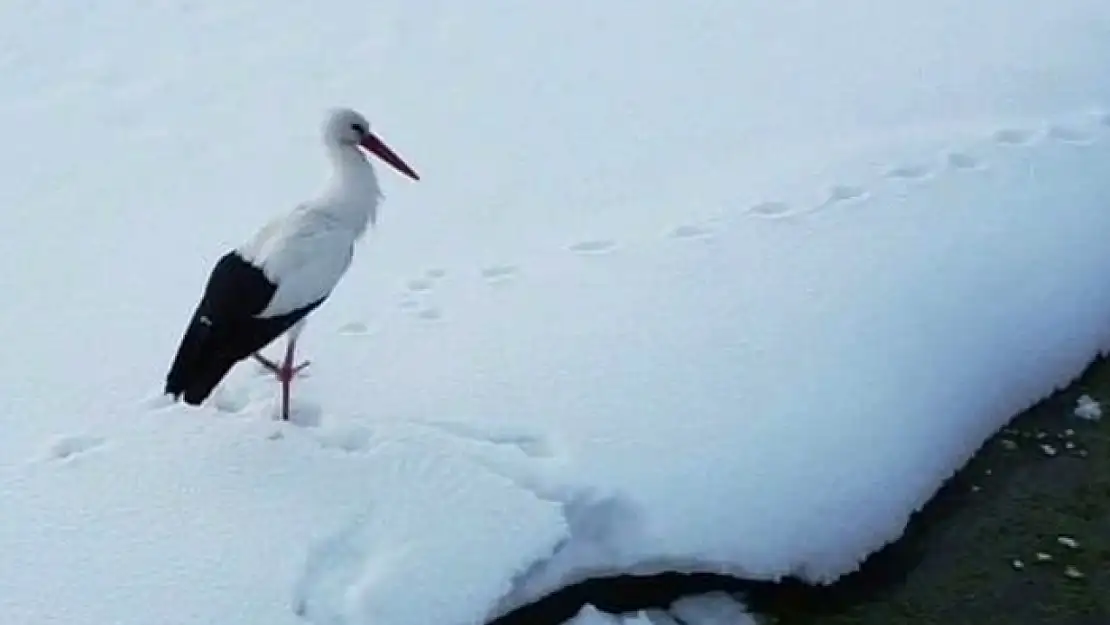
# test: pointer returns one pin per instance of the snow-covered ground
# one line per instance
(718, 286)
(709, 609)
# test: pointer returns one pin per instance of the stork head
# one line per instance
(345, 127)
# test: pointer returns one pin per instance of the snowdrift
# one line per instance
(769, 393)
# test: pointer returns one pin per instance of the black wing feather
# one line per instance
(225, 328)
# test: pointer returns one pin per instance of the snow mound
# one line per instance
(502, 530)
(709, 609)
(778, 395)
(1087, 408)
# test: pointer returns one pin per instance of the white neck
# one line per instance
(352, 193)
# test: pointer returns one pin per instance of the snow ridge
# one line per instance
(603, 531)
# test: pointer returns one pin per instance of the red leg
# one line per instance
(285, 372)
(286, 377)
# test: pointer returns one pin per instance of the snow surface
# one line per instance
(709, 609)
(718, 286)
(715, 608)
(1087, 408)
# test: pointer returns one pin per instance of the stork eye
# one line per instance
(359, 128)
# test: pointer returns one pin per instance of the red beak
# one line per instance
(382, 151)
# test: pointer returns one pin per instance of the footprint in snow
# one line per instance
(1013, 136)
(690, 232)
(66, 447)
(594, 246)
(963, 161)
(419, 285)
(1068, 134)
(354, 328)
(842, 193)
(499, 273)
(770, 209)
(408, 304)
(435, 273)
(430, 313)
(911, 173)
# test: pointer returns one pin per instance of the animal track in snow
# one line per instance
(845, 193)
(354, 328)
(430, 313)
(435, 273)
(499, 273)
(962, 161)
(1013, 136)
(594, 246)
(908, 172)
(690, 232)
(408, 304)
(771, 208)
(419, 285)
(1068, 134)
(66, 447)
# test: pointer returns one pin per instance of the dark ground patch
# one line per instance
(970, 557)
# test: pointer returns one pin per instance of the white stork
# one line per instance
(267, 286)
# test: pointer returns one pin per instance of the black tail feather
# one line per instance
(206, 380)
(191, 361)
(199, 365)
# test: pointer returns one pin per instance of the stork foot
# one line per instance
(283, 372)
(266, 363)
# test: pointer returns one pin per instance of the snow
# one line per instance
(590, 615)
(1087, 408)
(349, 577)
(711, 609)
(719, 287)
